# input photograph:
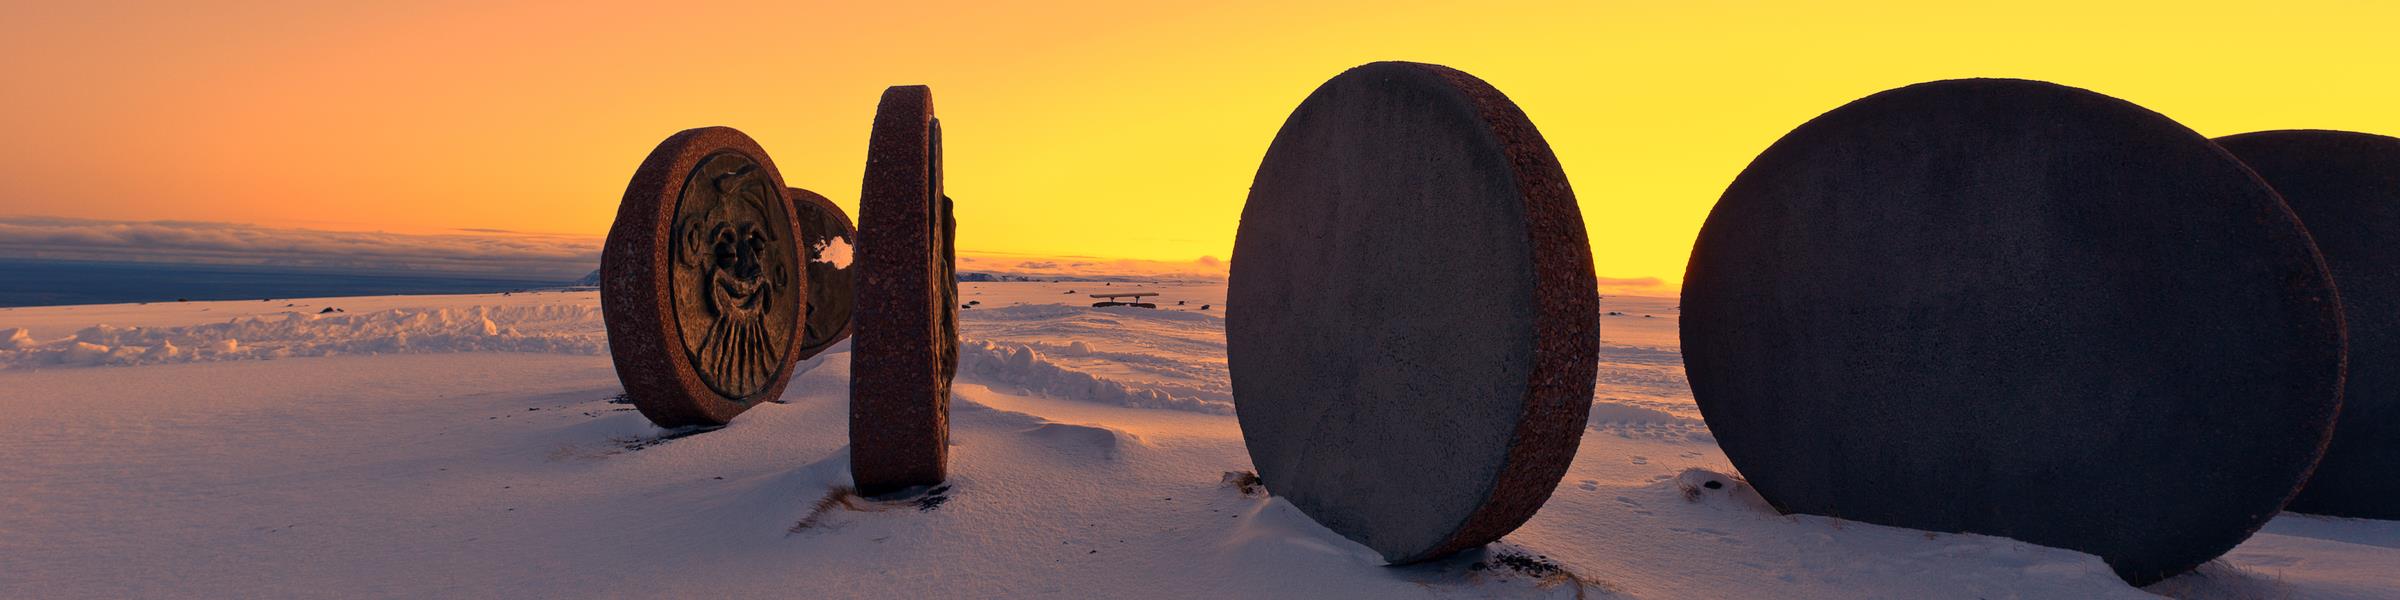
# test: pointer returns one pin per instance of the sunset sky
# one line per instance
(1110, 129)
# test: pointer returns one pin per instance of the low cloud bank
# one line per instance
(477, 252)
(1637, 286)
(1205, 268)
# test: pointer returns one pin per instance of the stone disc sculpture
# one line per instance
(828, 238)
(906, 345)
(1413, 319)
(701, 280)
(2346, 188)
(2019, 309)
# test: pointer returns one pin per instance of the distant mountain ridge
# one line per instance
(972, 277)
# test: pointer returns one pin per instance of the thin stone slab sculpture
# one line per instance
(2020, 309)
(828, 238)
(2346, 188)
(905, 349)
(702, 282)
(1412, 318)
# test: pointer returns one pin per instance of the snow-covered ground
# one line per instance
(473, 446)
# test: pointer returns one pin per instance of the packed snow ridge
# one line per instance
(1025, 367)
(1004, 364)
(1174, 363)
(293, 334)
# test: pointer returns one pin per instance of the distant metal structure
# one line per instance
(1111, 300)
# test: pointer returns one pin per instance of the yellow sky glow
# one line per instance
(1116, 129)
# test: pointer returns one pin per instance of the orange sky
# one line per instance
(1116, 129)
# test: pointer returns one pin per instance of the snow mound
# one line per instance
(1164, 368)
(1029, 371)
(1088, 440)
(1709, 486)
(1097, 440)
(555, 328)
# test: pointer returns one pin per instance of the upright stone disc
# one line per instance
(1412, 319)
(828, 238)
(2346, 187)
(906, 345)
(701, 281)
(2019, 309)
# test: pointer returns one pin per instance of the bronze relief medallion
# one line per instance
(703, 284)
(734, 274)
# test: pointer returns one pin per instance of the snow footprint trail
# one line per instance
(548, 328)
(1642, 395)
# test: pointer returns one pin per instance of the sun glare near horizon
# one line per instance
(1125, 130)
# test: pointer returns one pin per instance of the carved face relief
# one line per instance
(734, 267)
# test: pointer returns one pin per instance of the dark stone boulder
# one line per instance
(1413, 324)
(2346, 188)
(2019, 309)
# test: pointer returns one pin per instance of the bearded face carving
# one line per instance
(734, 262)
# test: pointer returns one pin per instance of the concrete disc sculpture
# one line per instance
(2346, 187)
(701, 281)
(906, 347)
(2020, 309)
(827, 237)
(1413, 321)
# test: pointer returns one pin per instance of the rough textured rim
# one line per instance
(1566, 358)
(636, 289)
(1566, 322)
(796, 196)
(899, 384)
